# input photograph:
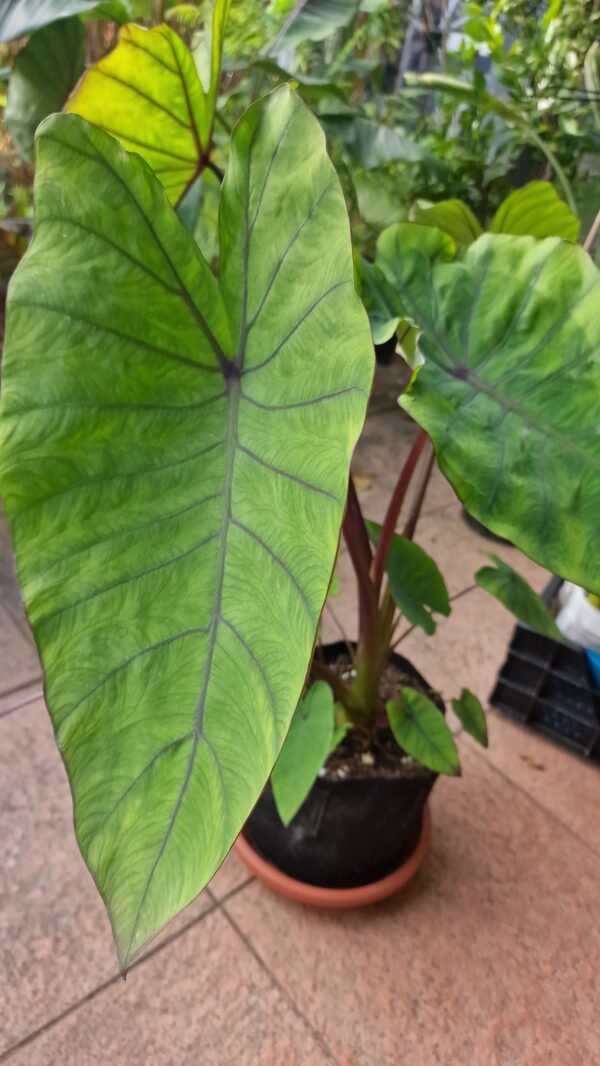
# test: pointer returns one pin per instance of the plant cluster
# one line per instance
(187, 369)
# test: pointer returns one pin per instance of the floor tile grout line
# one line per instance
(99, 989)
(535, 801)
(317, 1035)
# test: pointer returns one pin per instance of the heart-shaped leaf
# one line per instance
(20, 17)
(536, 210)
(416, 583)
(421, 730)
(510, 389)
(175, 455)
(507, 586)
(147, 94)
(304, 752)
(43, 74)
(471, 715)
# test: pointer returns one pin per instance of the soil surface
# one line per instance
(358, 757)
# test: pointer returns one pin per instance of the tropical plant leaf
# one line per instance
(21, 17)
(452, 217)
(513, 591)
(421, 730)
(305, 750)
(416, 583)
(43, 74)
(510, 389)
(313, 20)
(471, 714)
(313, 90)
(535, 210)
(147, 94)
(591, 78)
(175, 454)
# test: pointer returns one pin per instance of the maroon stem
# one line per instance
(419, 497)
(357, 542)
(389, 523)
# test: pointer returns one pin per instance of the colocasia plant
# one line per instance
(176, 446)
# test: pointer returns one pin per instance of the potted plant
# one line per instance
(176, 446)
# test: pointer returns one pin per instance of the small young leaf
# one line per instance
(421, 730)
(513, 591)
(469, 711)
(305, 749)
(416, 583)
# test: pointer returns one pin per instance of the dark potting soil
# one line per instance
(357, 757)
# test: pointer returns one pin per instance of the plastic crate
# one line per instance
(548, 685)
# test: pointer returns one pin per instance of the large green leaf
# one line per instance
(147, 93)
(510, 389)
(420, 728)
(535, 210)
(313, 20)
(43, 74)
(378, 199)
(20, 17)
(304, 752)
(517, 596)
(175, 454)
(416, 584)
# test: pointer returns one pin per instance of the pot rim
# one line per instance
(335, 898)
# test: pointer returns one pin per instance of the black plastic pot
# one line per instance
(348, 832)
(547, 685)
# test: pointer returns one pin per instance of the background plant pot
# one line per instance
(348, 832)
(547, 685)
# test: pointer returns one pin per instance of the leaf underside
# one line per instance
(148, 95)
(175, 455)
(43, 74)
(20, 17)
(510, 389)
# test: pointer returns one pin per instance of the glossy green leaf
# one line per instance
(147, 94)
(208, 53)
(421, 730)
(513, 591)
(471, 715)
(416, 583)
(313, 20)
(510, 389)
(304, 752)
(21, 17)
(175, 454)
(538, 211)
(43, 74)
(452, 217)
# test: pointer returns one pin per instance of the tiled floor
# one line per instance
(491, 956)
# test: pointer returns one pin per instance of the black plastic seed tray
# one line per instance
(547, 685)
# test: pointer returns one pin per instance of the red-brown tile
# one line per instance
(489, 957)
(203, 999)
(567, 786)
(55, 939)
